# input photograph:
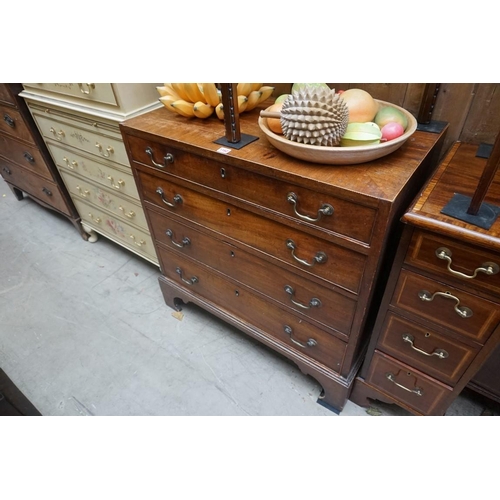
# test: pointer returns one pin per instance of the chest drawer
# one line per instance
(318, 304)
(5, 95)
(116, 229)
(331, 215)
(27, 156)
(100, 144)
(405, 384)
(104, 174)
(13, 123)
(455, 260)
(304, 252)
(42, 189)
(286, 328)
(450, 307)
(430, 352)
(106, 199)
(92, 92)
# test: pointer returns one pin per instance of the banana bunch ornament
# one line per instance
(201, 100)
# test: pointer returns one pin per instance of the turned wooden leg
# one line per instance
(92, 238)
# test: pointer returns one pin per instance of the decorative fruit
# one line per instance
(314, 115)
(392, 130)
(274, 124)
(388, 114)
(281, 98)
(362, 106)
(300, 86)
(361, 134)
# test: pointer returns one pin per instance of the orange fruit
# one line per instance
(274, 124)
(361, 105)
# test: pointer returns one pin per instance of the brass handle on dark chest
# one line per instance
(9, 120)
(462, 311)
(177, 198)
(325, 209)
(168, 158)
(310, 342)
(440, 353)
(416, 390)
(191, 281)
(319, 258)
(185, 241)
(488, 268)
(314, 302)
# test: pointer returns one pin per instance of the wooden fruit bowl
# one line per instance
(340, 155)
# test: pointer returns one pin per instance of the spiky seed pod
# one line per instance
(314, 115)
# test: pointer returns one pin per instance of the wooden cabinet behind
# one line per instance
(438, 327)
(289, 252)
(25, 163)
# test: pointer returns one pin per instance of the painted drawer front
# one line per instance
(405, 384)
(27, 156)
(115, 229)
(36, 186)
(440, 356)
(288, 329)
(450, 258)
(106, 175)
(100, 145)
(318, 304)
(321, 258)
(106, 199)
(12, 123)
(335, 216)
(441, 304)
(95, 92)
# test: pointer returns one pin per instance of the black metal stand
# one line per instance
(233, 138)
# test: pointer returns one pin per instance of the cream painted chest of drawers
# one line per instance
(80, 126)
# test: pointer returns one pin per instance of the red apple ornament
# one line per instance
(391, 131)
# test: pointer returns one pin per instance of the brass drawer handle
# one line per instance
(7, 170)
(97, 220)
(185, 241)
(119, 185)
(312, 303)
(416, 390)
(72, 165)
(58, 135)
(326, 209)
(168, 158)
(108, 153)
(310, 342)
(83, 193)
(139, 243)
(130, 214)
(177, 198)
(90, 87)
(28, 157)
(319, 258)
(9, 120)
(488, 268)
(191, 281)
(440, 353)
(462, 311)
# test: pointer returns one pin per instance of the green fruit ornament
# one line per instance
(361, 134)
(389, 114)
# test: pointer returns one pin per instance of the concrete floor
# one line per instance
(84, 330)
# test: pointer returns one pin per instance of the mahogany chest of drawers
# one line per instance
(439, 319)
(25, 163)
(287, 251)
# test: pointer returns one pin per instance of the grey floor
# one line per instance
(84, 331)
